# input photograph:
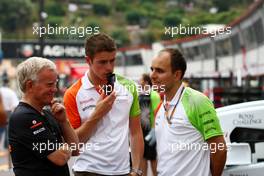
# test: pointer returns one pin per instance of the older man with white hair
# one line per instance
(40, 139)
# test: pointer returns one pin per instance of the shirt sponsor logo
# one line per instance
(204, 114)
(35, 124)
(88, 107)
(39, 130)
(86, 101)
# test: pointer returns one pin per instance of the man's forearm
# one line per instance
(86, 130)
(137, 149)
(61, 156)
(69, 134)
(218, 160)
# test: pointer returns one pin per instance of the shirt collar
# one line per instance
(86, 81)
(176, 96)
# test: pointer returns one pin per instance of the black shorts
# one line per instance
(150, 152)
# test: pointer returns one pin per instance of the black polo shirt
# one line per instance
(32, 137)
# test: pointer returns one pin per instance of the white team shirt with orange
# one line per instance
(107, 150)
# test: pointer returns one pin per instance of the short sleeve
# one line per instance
(70, 104)
(208, 121)
(135, 108)
(201, 113)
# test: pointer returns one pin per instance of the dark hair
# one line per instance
(177, 60)
(99, 43)
(147, 79)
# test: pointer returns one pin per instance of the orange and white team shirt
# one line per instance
(107, 150)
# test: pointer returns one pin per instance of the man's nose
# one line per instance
(55, 89)
(109, 66)
(153, 75)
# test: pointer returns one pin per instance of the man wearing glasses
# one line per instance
(189, 137)
(104, 121)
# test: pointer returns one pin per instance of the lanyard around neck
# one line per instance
(166, 107)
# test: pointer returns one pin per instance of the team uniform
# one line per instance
(181, 145)
(32, 137)
(108, 151)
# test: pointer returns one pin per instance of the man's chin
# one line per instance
(104, 80)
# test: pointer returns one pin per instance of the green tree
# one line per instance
(147, 37)
(121, 6)
(133, 17)
(15, 14)
(184, 1)
(149, 9)
(173, 19)
(226, 5)
(54, 20)
(94, 24)
(101, 9)
(222, 5)
(55, 9)
(121, 37)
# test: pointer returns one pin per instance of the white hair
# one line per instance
(29, 69)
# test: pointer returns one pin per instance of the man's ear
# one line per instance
(29, 84)
(178, 74)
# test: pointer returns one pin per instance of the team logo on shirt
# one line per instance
(88, 107)
(86, 101)
(35, 124)
(39, 130)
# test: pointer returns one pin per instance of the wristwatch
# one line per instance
(139, 172)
